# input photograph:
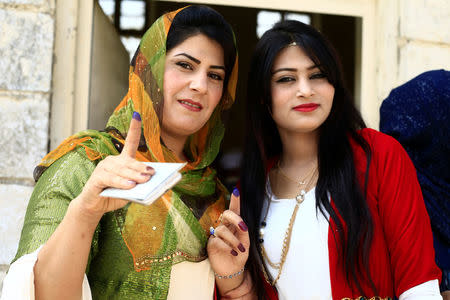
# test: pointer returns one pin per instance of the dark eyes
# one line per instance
(319, 75)
(188, 66)
(284, 79)
(184, 65)
(215, 76)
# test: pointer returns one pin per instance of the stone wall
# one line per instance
(424, 42)
(26, 54)
(413, 37)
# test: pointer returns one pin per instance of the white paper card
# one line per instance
(165, 177)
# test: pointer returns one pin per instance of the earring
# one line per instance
(269, 109)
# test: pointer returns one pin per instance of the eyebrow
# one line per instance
(190, 57)
(218, 67)
(294, 69)
(198, 61)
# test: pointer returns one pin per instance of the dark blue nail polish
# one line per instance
(136, 116)
(236, 192)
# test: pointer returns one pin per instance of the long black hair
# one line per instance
(337, 173)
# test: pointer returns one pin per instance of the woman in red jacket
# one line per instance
(333, 209)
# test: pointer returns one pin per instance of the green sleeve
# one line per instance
(58, 185)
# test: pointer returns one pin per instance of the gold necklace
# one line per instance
(287, 236)
(299, 182)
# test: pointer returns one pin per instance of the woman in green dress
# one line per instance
(76, 244)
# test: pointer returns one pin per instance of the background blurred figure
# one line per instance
(417, 114)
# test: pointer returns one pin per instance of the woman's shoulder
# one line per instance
(386, 152)
(83, 148)
(380, 143)
(72, 166)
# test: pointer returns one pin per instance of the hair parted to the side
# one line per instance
(337, 175)
(200, 19)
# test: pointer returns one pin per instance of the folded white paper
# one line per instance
(165, 177)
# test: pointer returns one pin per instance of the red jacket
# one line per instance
(402, 254)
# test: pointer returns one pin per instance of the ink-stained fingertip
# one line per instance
(136, 116)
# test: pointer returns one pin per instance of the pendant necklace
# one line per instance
(307, 183)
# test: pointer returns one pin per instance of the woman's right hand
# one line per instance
(118, 171)
(228, 248)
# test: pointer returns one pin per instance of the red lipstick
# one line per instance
(307, 107)
(191, 105)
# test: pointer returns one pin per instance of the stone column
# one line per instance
(26, 57)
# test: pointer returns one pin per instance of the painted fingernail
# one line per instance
(145, 174)
(136, 116)
(242, 226)
(131, 182)
(234, 253)
(236, 192)
(241, 248)
(149, 169)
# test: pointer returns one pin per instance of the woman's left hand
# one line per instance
(228, 247)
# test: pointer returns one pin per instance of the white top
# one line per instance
(306, 272)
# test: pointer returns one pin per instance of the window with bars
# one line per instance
(266, 19)
(130, 19)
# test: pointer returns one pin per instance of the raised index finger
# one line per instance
(133, 136)
(235, 202)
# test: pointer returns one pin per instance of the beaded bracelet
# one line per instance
(229, 276)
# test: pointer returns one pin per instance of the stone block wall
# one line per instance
(412, 37)
(424, 41)
(26, 55)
